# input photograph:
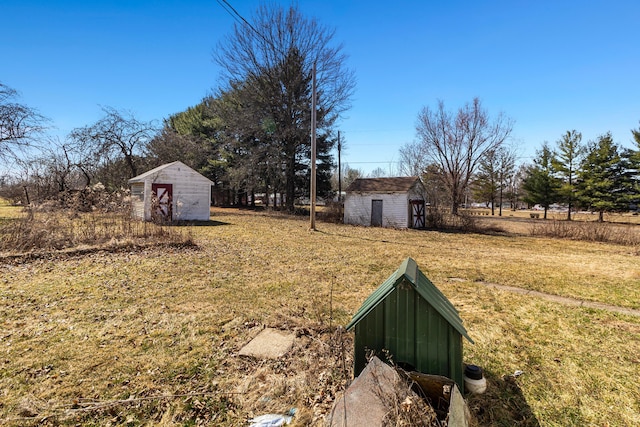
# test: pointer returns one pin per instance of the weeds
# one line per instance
(627, 235)
(90, 217)
(332, 212)
(57, 231)
(439, 219)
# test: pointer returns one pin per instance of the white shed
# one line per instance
(171, 192)
(385, 202)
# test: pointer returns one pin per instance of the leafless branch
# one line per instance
(20, 125)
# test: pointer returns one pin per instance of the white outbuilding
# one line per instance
(171, 192)
(385, 202)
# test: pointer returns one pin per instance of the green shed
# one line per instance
(410, 318)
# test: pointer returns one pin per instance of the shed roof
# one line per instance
(156, 171)
(400, 184)
(408, 272)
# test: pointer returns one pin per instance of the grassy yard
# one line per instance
(150, 336)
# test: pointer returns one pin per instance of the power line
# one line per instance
(236, 16)
(377, 130)
(241, 20)
(375, 163)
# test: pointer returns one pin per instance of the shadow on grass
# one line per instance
(210, 223)
(503, 404)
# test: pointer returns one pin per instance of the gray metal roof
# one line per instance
(408, 272)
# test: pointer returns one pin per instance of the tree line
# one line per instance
(251, 136)
(466, 156)
(598, 176)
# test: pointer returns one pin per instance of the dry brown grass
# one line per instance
(26, 231)
(624, 234)
(619, 218)
(150, 336)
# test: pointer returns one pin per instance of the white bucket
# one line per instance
(474, 381)
(475, 386)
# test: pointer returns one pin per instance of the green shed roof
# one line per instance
(408, 272)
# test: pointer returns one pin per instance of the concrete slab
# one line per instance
(269, 344)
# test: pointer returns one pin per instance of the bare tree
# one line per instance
(378, 173)
(495, 172)
(117, 142)
(349, 175)
(20, 125)
(456, 143)
(412, 159)
(514, 186)
(68, 165)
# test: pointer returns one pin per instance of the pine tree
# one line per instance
(540, 183)
(631, 160)
(601, 178)
(566, 162)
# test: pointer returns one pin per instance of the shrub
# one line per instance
(438, 219)
(90, 217)
(333, 212)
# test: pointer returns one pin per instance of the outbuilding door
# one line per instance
(161, 202)
(417, 214)
(376, 213)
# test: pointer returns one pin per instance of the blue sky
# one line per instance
(552, 66)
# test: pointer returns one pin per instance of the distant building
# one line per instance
(171, 192)
(385, 202)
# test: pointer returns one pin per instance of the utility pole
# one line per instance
(313, 150)
(339, 170)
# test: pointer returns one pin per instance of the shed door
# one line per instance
(376, 213)
(417, 214)
(161, 202)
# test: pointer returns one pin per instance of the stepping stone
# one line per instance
(269, 344)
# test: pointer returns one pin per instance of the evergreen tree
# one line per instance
(540, 184)
(191, 136)
(631, 159)
(566, 161)
(486, 184)
(271, 61)
(601, 178)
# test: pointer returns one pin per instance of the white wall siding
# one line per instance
(395, 209)
(191, 200)
(357, 209)
(137, 200)
(191, 192)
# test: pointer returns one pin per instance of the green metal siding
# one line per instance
(370, 335)
(412, 320)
